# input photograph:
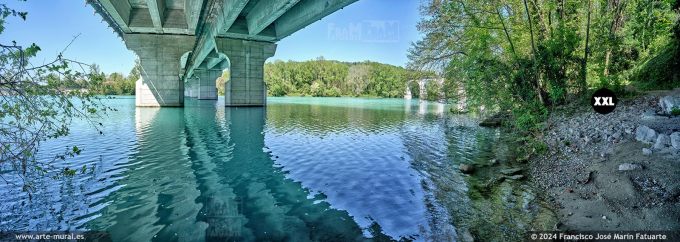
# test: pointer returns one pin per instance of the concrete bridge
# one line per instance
(185, 45)
(422, 87)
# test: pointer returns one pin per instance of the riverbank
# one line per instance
(611, 172)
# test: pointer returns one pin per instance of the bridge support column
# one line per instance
(159, 84)
(191, 87)
(206, 83)
(246, 87)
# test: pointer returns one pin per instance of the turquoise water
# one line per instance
(301, 169)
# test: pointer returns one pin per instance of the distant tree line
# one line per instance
(329, 78)
(101, 84)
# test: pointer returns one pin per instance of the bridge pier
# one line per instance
(246, 86)
(159, 84)
(206, 87)
(191, 88)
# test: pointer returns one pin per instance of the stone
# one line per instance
(495, 120)
(511, 171)
(629, 167)
(675, 140)
(649, 115)
(662, 141)
(667, 104)
(645, 134)
(646, 151)
(465, 168)
(515, 177)
(465, 235)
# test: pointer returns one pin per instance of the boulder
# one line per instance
(667, 104)
(662, 141)
(645, 134)
(629, 167)
(646, 151)
(495, 120)
(465, 168)
(675, 140)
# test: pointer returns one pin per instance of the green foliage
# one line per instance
(433, 91)
(675, 111)
(507, 54)
(99, 83)
(326, 78)
(38, 104)
(660, 71)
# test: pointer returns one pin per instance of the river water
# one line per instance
(300, 169)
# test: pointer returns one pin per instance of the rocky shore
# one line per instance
(619, 171)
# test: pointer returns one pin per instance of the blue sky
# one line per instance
(376, 30)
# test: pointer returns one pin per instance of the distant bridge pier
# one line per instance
(205, 83)
(191, 88)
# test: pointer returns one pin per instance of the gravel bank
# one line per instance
(601, 173)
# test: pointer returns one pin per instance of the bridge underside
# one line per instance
(184, 45)
(161, 82)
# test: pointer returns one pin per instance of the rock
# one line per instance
(494, 121)
(515, 177)
(629, 167)
(662, 141)
(667, 104)
(649, 115)
(646, 151)
(465, 168)
(645, 134)
(465, 235)
(511, 171)
(604, 217)
(675, 140)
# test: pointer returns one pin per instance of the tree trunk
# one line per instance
(533, 50)
(586, 51)
(507, 35)
(617, 7)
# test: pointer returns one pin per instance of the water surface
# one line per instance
(300, 169)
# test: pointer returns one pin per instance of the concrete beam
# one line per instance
(266, 12)
(157, 12)
(119, 12)
(305, 13)
(212, 62)
(230, 11)
(199, 54)
(192, 10)
(239, 30)
(212, 12)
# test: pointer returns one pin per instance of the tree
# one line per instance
(38, 103)
(357, 79)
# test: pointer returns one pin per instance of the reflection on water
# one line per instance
(301, 169)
